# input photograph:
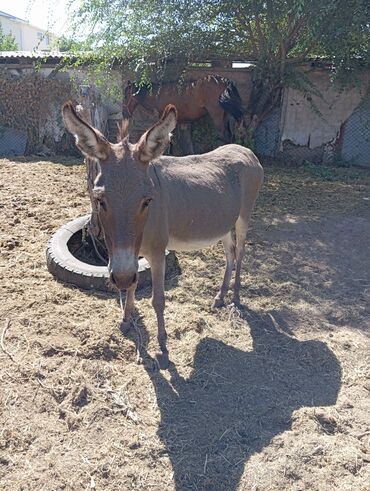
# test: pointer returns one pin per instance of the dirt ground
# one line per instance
(272, 397)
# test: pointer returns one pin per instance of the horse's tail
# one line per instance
(231, 102)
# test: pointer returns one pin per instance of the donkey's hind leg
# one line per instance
(229, 246)
(241, 228)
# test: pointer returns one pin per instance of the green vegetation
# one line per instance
(7, 41)
(277, 35)
(204, 135)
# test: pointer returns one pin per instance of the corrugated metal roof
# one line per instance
(32, 55)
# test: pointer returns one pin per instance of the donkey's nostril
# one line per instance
(123, 281)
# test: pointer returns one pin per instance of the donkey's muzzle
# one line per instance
(123, 267)
(123, 281)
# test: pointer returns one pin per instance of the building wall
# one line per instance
(302, 125)
(27, 37)
(323, 127)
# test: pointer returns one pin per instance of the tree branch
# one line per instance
(261, 36)
(244, 21)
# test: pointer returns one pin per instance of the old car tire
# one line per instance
(65, 267)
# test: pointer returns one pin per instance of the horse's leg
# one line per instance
(241, 228)
(128, 307)
(157, 262)
(219, 119)
(229, 246)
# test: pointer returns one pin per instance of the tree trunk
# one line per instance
(264, 98)
(94, 228)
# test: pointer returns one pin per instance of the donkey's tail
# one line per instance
(231, 102)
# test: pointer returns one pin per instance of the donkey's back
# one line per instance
(203, 196)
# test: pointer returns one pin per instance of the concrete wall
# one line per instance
(311, 126)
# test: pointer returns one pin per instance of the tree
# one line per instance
(66, 44)
(7, 41)
(277, 35)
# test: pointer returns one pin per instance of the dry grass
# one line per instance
(272, 397)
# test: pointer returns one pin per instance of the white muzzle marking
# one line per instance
(124, 262)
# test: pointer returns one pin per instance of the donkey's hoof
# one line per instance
(125, 327)
(162, 360)
(236, 303)
(218, 303)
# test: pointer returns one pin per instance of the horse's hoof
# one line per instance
(162, 360)
(125, 327)
(218, 303)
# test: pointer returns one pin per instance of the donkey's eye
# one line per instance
(146, 203)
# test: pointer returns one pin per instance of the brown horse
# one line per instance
(213, 94)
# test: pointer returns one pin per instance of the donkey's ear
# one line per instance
(89, 140)
(155, 141)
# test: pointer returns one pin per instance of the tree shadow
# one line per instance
(234, 402)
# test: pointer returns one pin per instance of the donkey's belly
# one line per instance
(176, 244)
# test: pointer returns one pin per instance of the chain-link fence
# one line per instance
(355, 144)
(12, 142)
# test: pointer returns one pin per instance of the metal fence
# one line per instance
(355, 146)
(267, 135)
(12, 142)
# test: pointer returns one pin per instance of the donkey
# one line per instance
(149, 203)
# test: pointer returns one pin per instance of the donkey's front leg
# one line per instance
(158, 264)
(128, 308)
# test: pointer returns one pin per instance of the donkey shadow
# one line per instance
(234, 402)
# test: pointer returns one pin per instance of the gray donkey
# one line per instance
(149, 203)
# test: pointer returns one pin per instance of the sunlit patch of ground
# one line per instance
(274, 396)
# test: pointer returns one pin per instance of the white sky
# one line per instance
(47, 14)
